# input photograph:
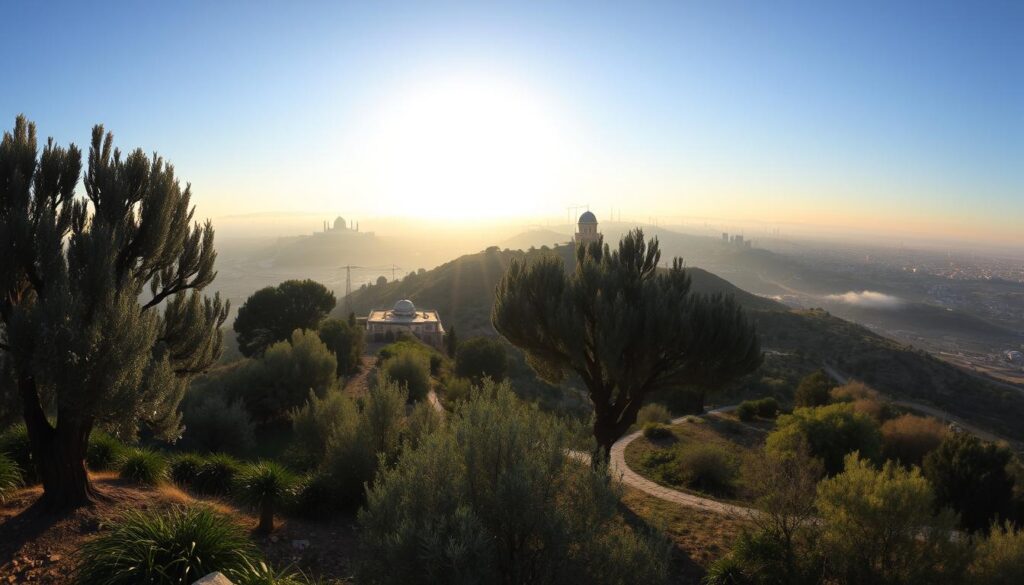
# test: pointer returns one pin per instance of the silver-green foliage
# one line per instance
(492, 498)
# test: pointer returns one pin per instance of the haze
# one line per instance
(871, 119)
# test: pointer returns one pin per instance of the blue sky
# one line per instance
(905, 115)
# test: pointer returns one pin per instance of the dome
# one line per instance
(339, 223)
(404, 308)
(588, 217)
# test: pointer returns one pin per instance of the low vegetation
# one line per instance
(143, 466)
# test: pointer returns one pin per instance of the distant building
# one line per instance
(1014, 357)
(404, 317)
(340, 225)
(586, 229)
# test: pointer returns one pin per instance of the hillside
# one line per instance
(796, 342)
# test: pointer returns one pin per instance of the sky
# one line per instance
(862, 118)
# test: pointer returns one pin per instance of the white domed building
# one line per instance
(404, 317)
(586, 229)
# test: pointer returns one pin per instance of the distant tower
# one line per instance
(586, 229)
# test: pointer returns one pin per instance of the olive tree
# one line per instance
(624, 327)
(101, 315)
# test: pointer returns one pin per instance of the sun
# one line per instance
(468, 147)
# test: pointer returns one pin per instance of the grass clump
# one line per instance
(747, 411)
(15, 444)
(10, 477)
(143, 466)
(217, 475)
(653, 413)
(184, 469)
(104, 452)
(708, 468)
(169, 547)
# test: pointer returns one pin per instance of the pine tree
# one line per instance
(624, 328)
(101, 314)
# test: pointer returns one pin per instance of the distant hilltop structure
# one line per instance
(586, 229)
(404, 317)
(736, 240)
(339, 225)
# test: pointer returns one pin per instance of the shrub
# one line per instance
(315, 423)
(767, 407)
(746, 411)
(422, 421)
(143, 466)
(457, 389)
(657, 431)
(184, 469)
(212, 424)
(280, 381)
(653, 413)
(864, 399)
(15, 444)
(728, 570)
(103, 452)
(970, 476)
(411, 370)
(830, 432)
(909, 438)
(10, 477)
(216, 476)
(345, 341)
(708, 467)
(878, 527)
(999, 559)
(493, 498)
(266, 487)
(813, 390)
(481, 357)
(316, 498)
(169, 547)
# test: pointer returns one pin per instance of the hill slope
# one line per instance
(795, 342)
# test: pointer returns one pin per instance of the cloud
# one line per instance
(868, 299)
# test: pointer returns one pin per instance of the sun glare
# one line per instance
(467, 148)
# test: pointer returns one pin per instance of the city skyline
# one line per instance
(866, 118)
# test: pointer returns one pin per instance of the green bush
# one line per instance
(492, 498)
(15, 444)
(830, 432)
(143, 466)
(212, 424)
(316, 422)
(266, 487)
(656, 431)
(10, 477)
(653, 413)
(970, 476)
(411, 370)
(813, 390)
(345, 341)
(217, 475)
(104, 451)
(316, 498)
(767, 407)
(708, 468)
(166, 548)
(422, 421)
(457, 389)
(661, 465)
(746, 411)
(481, 357)
(184, 469)
(999, 559)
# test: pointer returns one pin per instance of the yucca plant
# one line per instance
(10, 477)
(104, 452)
(263, 574)
(185, 468)
(143, 466)
(217, 475)
(168, 547)
(266, 486)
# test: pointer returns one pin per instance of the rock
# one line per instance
(54, 558)
(300, 544)
(215, 578)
